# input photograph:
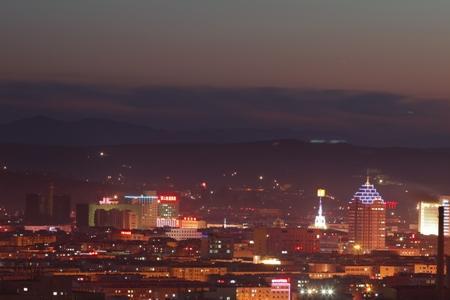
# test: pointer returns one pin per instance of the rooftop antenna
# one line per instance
(367, 177)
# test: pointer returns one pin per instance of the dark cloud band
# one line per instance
(362, 117)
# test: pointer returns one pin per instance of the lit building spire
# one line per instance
(320, 221)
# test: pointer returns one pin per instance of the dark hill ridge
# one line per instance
(340, 168)
(47, 131)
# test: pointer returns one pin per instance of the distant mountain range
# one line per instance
(42, 130)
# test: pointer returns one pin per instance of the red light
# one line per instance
(204, 184)
(391, 204)
(125, 232)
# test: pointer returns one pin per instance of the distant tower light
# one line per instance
(320, 221)
(320, 193)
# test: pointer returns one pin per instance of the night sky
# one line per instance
(352, 68)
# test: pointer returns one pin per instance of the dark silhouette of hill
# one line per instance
(407, 174)
(41, 130)
(46, 131)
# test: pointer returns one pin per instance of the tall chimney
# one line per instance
(440, 255)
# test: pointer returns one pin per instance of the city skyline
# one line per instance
(224, 150)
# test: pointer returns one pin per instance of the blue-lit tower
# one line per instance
(367, 219)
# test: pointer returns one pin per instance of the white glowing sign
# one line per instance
(168, 198)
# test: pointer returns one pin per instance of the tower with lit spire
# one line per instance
(366, 219)
(320, 222)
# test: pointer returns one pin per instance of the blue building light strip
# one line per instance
(367, 194)
(142, 197)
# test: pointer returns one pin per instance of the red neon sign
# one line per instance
(391, 204)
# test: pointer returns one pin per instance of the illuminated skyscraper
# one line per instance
(157, 210)
(149, 207)
(367, 218)
(428, 218)
(168, 210)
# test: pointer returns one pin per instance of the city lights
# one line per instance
(257, 150)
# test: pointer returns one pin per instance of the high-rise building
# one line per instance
(428, 217)
(114, 215)
(120, 219)
(61, 209)
(157, 210)
(149, 207)
(367, 219)
(50, 210)
(82, 215)
(129, 220)
(34, 209)
(429, 213)
(168, 210)
(149, 210)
